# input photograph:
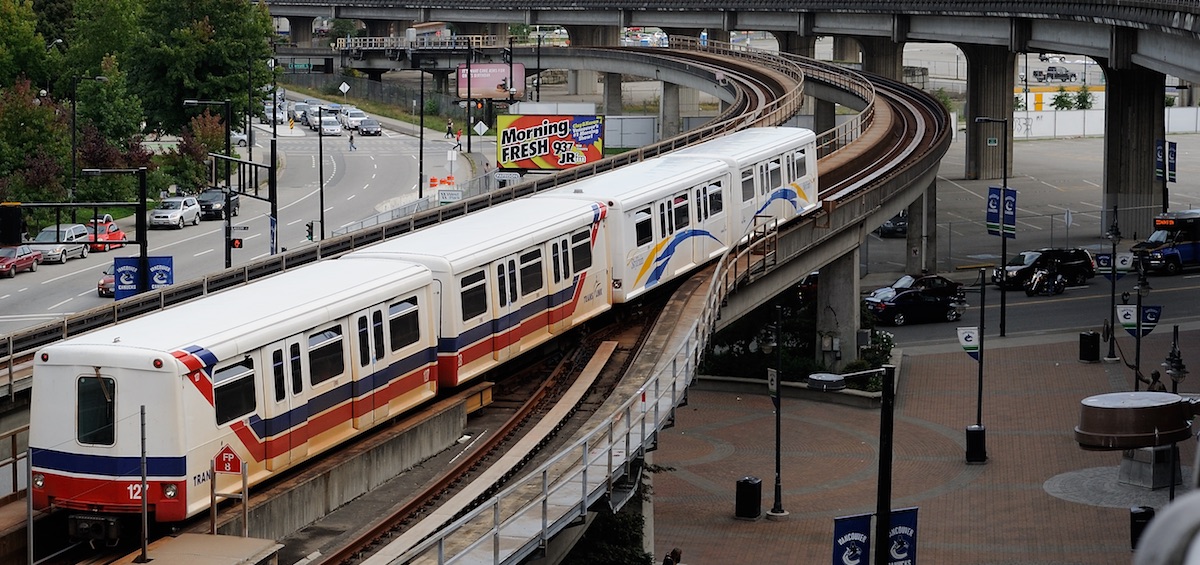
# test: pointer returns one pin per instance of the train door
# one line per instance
(369, 360)
(680, 253)
(708, 202)
(562, 289)
(506, 323)
(285, 411)
(532, 307)
(750, 203)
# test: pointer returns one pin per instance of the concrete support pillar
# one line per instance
(824, 116)
(300, 29)
(921, 246)
(989, 94)
(846, 50)
(378, 28)
(582, 83)
(796, 44)
(668, 112)
(613, 102)
(441, 81)
(594, 36)
(883, 57)
(374, 75)
(838, 309)
(1129, 136)
(716, 34)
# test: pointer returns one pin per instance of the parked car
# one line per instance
(369, 126)
(330, 126)
(897, 226)
(352, 118)
(935, 285)
(912, 306)
(105, 233)
(239, 139)
(212, 203)
(18, 258)
(59, 242)
(106, 286)
(176, 211)
(1075, 265)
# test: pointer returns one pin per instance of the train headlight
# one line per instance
(39, 480)
(170, 490)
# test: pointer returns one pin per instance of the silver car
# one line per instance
(330, 126)
(60, 242)
(175, 212)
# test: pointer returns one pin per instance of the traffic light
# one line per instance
(309, 231)
(235, 243)
(478, 104)
(506, 55)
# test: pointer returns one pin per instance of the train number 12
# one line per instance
(135, 491)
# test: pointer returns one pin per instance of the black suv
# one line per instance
(1075, 265)
(212, 203)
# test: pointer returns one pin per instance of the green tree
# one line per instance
(34, 145)
(1063, 100)
(1083, 98)
(23, 50)
(199, 49)
(102, 28)
(54, 18)
(109, 106)
(344, 28)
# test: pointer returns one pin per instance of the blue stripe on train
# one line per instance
(108, 466)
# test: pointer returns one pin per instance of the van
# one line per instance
(61, 242)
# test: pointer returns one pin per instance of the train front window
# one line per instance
(96, 417)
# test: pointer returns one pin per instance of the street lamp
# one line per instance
(1114, 235)
(74, 127)
(1142, 288)
(421, 133)
(1003, 195)
(1177, 371)
(321, 169)
(887, 413)
(777, 512)
(228, 153)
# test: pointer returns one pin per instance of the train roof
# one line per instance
(310, 294)
(641, 182)
(487, 234)
(750, 145)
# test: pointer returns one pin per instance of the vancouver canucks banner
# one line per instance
(1109, 265)
(852, 540)
(1009, 213)
(902, 548)
(968, 338)
(1127, 314)
(993, 210)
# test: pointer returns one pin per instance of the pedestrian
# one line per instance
(458, 139)
(353, 147)
(668, 560)
(449, 129)
(677, 556)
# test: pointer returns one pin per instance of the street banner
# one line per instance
(1127, 314)
(1107, 267)
(993, 211)
(127, 275)
(1160, 158)
(902, 548)
(1171, 161)
(968, 338)
(852, 540)
(1009, 215)
(1001, 211)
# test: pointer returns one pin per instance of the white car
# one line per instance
(330, 126)
(175, 212)
(352, 118)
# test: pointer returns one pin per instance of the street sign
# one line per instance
(991, 141)
(773, 382)
(447, 196)
(239, 227)
(507, 175)
(227, 461)
(451, 155)
(480, 128)
(344, 88)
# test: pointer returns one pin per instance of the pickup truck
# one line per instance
(1055, 73)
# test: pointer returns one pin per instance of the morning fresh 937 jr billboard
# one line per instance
(548, 142)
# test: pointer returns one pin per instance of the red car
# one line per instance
(18, 258)
(107, 284)
(105, 233)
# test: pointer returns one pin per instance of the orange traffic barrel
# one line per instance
(448, 180)
(433, 182)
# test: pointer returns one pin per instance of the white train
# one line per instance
(294, 365)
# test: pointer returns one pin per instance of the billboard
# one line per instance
(491, 80)
(548, 142)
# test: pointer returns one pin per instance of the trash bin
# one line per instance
(1089, 347)
(748, 504)
(1139, 518)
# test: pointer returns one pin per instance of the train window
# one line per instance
(799, 164)
(512, 281)
(531, 272)
(96, 414)
(643, 228)
(233, 391)
(774, 174)
(326, 359)
(664, 219)
(700, 213)
(364, 342)
(747, 185)
(716, 202)
(566, 259)
(502, 284)
(277, 372)
(581, 250)
(404, 323)
(554, 263)
(377, 332)
(474, 295)
(297, 379)
(680, 209)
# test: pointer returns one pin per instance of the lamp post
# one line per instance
(1177, 371)
(1003, 196)
(421, 134)
(1114, 235)
(74, 127)
(228, 152)
(777, 512)
(1143, 289)
(321, 170)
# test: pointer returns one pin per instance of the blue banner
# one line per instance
(852, 540)
(127, 275)
(903, 537)
(1160, 159)
(993, 211)
(1010, 213)
(1171, 161)
(1127, 315)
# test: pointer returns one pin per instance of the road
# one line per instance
(358, 184)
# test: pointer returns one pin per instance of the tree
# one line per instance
(34, 145)
(54, 18)
(1083, 98)
(1063, 100)
(109, 106)
(199, 49)
(23, 50)
(102, 28)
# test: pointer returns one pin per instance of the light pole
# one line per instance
(1114, 235)
(1143, 289)
(977, 434)
(1003, 197)
(421, 134)
(773, 376)
(321, 169)
(228, 153)
(74, 127)
(1177, 371)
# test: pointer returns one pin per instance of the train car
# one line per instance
(777, 170)
(280, 370)
(511, 277)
